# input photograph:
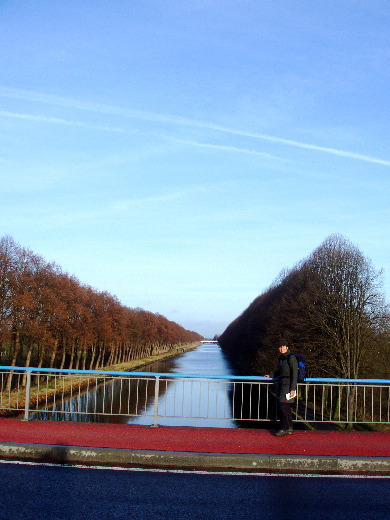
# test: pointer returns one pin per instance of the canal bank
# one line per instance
(68, 386)
(190, 448)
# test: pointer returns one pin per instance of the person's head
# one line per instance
(283, 347)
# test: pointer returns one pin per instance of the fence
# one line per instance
(100, 395)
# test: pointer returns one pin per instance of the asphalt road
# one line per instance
(44, 492)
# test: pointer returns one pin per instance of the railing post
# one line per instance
(156, 394)
(27, 402)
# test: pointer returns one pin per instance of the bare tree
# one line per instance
(330, 306)
(347, 306)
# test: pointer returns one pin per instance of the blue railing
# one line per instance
(90, 394)
(186, 376)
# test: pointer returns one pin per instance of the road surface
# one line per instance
(48, 492)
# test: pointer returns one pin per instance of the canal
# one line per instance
(207, 359)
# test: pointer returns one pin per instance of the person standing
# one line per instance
(287, 374)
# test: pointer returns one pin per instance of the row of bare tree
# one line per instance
(330, 307)
(49, 319)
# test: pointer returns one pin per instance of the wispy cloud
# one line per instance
(298, 144)
(167, 196)
(44, 98)
(224, 148)
(56, 120)
(48, 216)
(123, 205)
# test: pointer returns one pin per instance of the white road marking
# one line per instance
(194, 472)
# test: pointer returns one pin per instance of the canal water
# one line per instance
(207, 360)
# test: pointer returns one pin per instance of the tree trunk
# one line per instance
(63, 352)
(78, 356)
(93, 353)
(72, 355)
(53, 354)
(27, 363)
(14, 358)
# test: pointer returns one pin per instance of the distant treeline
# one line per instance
(49, 319)
(329, 307)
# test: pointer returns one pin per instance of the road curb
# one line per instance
(71, 455)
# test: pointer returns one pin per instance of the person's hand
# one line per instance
(293, 393)
(267, 375)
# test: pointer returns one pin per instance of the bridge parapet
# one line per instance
(71, 394)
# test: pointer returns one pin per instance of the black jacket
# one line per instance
(287, 373)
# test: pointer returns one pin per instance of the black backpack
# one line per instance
(302, 370)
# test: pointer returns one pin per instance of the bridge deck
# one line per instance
(195, 440)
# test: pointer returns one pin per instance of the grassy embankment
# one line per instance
(13, 403)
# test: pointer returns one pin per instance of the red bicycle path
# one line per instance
(194, 439)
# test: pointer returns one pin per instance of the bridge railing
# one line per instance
(92, 395)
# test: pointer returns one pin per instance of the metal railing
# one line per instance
(91, 395)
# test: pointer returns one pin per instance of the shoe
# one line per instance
(290, 431)
(282, 433)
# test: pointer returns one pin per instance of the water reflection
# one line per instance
(112, 401)
(126, 400)
(253, 405)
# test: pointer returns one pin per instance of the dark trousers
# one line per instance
(285, 416)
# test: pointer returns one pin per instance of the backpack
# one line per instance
(302, 370)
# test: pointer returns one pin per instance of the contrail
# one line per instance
(226, 148)
(56, 120)
(27, 95)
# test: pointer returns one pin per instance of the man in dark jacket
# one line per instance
(287, 374)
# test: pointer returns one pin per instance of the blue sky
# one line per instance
(180, 154)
